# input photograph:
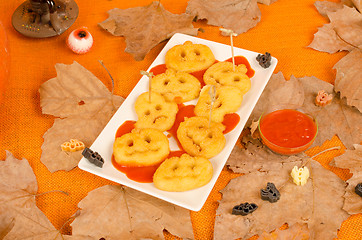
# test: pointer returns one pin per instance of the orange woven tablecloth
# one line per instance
(285, 30)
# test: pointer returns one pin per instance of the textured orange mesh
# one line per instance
(285, 29)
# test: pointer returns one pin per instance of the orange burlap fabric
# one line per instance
(285, 30)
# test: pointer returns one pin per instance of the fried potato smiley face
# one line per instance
(198, 139)
(176, 85)
(178, 174)
(189, 57)
(157, 113)
(222, 73)
(228, 99)
(141, 147)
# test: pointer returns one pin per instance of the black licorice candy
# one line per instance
(264, 60)
(93, 157)
(244, 209)
(358, 189)
(270, 193)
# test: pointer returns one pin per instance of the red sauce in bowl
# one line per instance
(287, 131)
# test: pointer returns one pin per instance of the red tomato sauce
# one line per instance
(142, 174)
(184, 111)
(230, 121)
(158, 69)
(126, 127)
(288, 128)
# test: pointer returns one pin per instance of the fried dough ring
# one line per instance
(141, 147)
(189, 57)
(228, 99)
(222, 73)
(157, 113)
(198, 139)
(176, 85)
(178, 174)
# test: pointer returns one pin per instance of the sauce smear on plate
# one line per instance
(142, 174)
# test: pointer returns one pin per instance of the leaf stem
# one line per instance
(101, 62)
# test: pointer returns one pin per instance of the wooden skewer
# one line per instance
(230, 33)
(150, 75)
(212, 93)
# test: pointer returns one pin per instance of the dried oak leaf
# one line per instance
(344, 32)
(117, 212)
(310, 203)
(145, 27)
(237, 15)
(352, 159)
(20, 218)
(296, 232)
(85, 106)
(349, 78)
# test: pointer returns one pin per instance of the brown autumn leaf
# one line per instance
(352, 159)
(278, 92)
(310, 203)
(349, 78)
(254, 156)
(85, 106)
(267, 2)
(344, 32)
(324, 7)
(117, 212)
(336, 118)
(20, 218)
(296, 232)
(145, 27)
(237, 15)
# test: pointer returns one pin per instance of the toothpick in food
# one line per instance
(212, 93)
(230, 33)
(150, 75)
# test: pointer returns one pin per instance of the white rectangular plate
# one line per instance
(193, 199)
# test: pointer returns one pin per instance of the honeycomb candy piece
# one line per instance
(270, 193)
(176, 85)
(198, 139)
(228, 99)
(222, 73)
(178, 174)
(244, 209)
(300, 175)
(141, 147)
(189, 57)
(73, 145)
(157, 113)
